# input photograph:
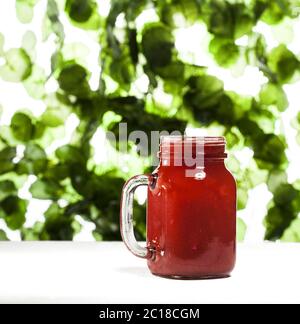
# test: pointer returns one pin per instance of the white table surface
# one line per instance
(37, 272)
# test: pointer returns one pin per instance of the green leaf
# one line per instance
(34, 161)
(233, 139)
(32, 234)
(70, 155)
(205, 92)
(219, 16)
(276, 179)
(55, 117)
(17, 67)
(25, 10)
(75, 52)
(180, 13)
(83, 182)
(6, 159)
(264, 117)
(250, 129)
(283, 62)
(259, 6)
(22, 127)
(274, 12)
(54, 211)
(241, 230)
(7, 188)
(35, 84)
(173, 72)
(58, 225)
(57, 61)
(29, 42)
(229, 20)
(157, 45)
(243, 18)
(292, 234)
(233, 164)
(46, 189)
(57, 172)
(226, 112)
(122, 70)
(73, 80)
(255, 176)
(80, 10)
(98, 237)
(39, 130)
(3, 236)
(296, 184)
(13, 210)
(284, 194)
(83, 14)
(242, 198)
(276, 221)
(190, 9)
(271, 149)
(272, 94)
(225, 52)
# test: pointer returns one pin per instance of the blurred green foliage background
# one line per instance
(129, 52)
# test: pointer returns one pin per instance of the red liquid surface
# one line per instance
(191, 224)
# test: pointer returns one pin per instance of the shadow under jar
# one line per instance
(191, 210)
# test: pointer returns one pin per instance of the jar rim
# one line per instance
(185, 139)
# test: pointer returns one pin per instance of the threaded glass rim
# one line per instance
(183, 139)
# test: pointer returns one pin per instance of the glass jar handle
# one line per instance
(126, 217)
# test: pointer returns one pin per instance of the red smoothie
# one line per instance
(191, 220)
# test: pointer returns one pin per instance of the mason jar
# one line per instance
(191, 210)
